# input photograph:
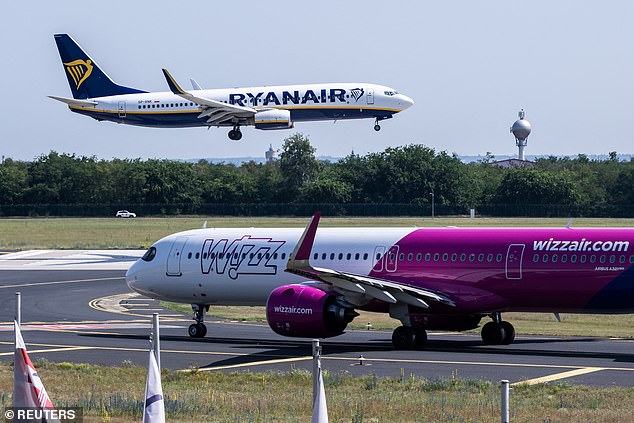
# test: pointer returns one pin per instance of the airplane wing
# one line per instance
(216, 112)
(349, 283)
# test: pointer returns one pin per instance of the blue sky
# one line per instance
(469, 66)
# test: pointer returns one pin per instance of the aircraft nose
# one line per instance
(405, 101)
(132, 277)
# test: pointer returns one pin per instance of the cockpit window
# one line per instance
(390, 93)
(149, 254)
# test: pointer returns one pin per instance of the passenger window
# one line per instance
(499, 258)
(275, 256)
(436, 256)
(535, 258)
(197, 255)
(365, 256)
(323, 256)
(573, 258)
(480, 258)
(267, 256)
(593, 258)
(454, 257)
(427, 257)
(564, 258)
(471, 257)
(356, 256)
(410, 257)
(283, 256)
(622, 259)
(463, 257)
(602, 258)
(401, 257)
(378, 256)
(419, 257)
(445, 257)
(340, 256)
(631, 259)
(555, 258)
(490, 257)
(348, 256)
(612, 259)
(315, 256)
(583, 258)
(545, 258)
(332, 256)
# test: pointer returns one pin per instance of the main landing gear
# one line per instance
(198, 329)
(407, 338)
(235, 134)
(498, 332)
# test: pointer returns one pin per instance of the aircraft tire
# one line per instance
(493, 333)
(509, 333)
(420, 338)
(197, 330)
(403, 338)
(377, 127)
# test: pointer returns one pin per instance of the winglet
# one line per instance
(305, 244)
(176, 89)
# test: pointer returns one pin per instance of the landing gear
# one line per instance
(198, 329)
(498, 332)
(235, 134)
(377, 127)
(407, 338)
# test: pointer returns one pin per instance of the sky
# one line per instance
(469, 66)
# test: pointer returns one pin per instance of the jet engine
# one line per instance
(306, 312)
(273, 119)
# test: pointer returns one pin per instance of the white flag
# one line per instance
(154, 407)
(28, 390)
(320, 411)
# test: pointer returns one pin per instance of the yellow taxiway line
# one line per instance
(559, 376)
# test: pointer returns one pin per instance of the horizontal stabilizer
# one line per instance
(74, 102)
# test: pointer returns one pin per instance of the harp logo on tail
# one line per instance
(79, 70)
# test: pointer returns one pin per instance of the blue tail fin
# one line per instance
(85, 78)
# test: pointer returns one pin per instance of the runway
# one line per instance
(89, 315)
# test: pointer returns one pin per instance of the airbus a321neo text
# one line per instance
(446, 279)
(274, 107)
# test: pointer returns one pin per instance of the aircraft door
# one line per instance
(380, 252)
(514, 261)
(391, 259)
(174, 257)
(122, 109)
(370, 96)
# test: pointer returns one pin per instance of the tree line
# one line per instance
(396, 181)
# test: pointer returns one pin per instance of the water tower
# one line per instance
(521, 129)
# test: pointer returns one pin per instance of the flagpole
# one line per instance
(18, 308)
(156, 341)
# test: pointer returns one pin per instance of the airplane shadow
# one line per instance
(280, 349)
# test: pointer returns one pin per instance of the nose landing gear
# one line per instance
(198, 329)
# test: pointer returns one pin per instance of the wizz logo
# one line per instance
(79, 70)
(357, 93)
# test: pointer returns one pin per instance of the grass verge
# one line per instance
(115, 394)
(140, 233)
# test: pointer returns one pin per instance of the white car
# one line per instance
(125, 213)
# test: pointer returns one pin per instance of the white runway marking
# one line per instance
(70, 259)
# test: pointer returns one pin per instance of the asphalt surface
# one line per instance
(90, 316)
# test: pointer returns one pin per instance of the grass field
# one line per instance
(110, 233)
(115, 394)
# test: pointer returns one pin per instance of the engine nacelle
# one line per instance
(273, 119)
(306, 312)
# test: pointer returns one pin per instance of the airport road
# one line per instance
(90, 316)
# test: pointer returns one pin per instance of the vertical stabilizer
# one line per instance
(85, 78)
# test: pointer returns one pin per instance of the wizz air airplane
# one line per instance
(275, 107)
(429, 278)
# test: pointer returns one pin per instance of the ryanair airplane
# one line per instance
(275, 107)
